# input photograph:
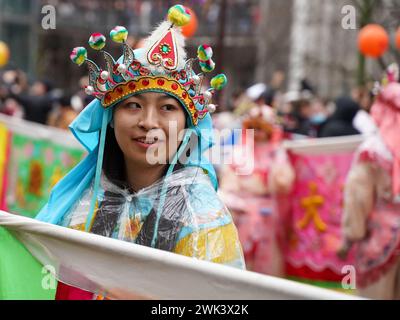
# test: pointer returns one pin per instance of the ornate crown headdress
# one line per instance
(160, 66)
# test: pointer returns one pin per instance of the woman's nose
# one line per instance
(148, 119)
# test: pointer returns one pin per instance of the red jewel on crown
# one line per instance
(136, 65)
(144, 71)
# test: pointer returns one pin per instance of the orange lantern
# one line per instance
(373, 41)
(190, 29)
(398, 39)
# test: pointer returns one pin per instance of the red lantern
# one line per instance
(398, 39)
(373, 41)
(190, 29)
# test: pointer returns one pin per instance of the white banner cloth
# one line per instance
(96, 263)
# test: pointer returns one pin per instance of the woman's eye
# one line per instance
(133, 105)
(169, 107)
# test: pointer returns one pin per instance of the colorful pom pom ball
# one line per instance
(78, 55)
(204, 52)
(119, 34)
(179, 15)
(373, 41)
(207, 66)
(97, 41)
(219, 81)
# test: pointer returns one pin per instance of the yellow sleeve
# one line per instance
(219, 245)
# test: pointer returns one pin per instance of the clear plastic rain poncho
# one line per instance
(180, 213)
(194, 222)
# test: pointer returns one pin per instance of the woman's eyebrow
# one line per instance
(164, 97)
(139, 96)
(127, 101)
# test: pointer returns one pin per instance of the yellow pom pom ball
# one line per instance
(179, 15)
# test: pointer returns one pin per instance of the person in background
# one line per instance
(248, 196)
(319, 116)
(10, 107)
(12, 80)
(37, 103)
(363, 121)
(341, 122)
(63, 115)
(371, 221)
(297, 112)
(258, 95)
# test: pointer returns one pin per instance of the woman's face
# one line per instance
(148, 126)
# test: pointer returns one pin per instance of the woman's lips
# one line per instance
(142, 142)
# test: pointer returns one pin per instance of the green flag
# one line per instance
(22, 277)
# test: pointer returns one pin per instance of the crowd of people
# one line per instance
(39, 101)
(304, 113)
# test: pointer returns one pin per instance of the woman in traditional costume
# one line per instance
(371, 220)
(145, 179)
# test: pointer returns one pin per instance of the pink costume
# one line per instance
(372, 207)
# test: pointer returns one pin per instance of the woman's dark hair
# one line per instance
(113, 160)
